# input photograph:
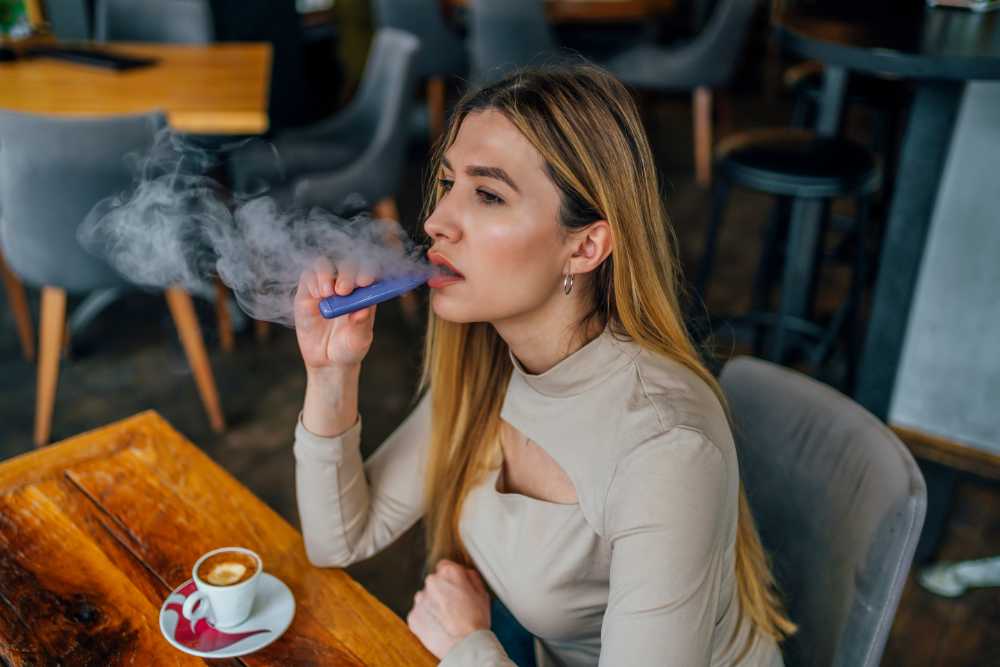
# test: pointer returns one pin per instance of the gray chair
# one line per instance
(701, 65)
(172, 21)
(53, 171)
(507, 34)
(839, 503)
(360, 150)
(68, 19)
(442, 53)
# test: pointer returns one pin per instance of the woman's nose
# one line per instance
(441, 224)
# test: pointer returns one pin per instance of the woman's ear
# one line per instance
(591, 246)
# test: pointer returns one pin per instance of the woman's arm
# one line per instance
(664, 516)
(351, 510)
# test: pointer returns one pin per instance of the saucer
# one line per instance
(272, 613)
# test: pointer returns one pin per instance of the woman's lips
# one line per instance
(443, 280)
(446, 274)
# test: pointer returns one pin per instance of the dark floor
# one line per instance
(129, 360)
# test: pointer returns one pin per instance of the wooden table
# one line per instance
(582, 11)
(95, 532)
(211, 89)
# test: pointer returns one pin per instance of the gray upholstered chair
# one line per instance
(177, 21)
(701, 65)
(360, 150)
(507, 34)
(69, 19)
(53, 171)
(839, 503)
(442, 53)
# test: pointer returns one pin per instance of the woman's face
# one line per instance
(496, 224)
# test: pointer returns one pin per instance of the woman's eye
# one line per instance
(445, 184)
(489, 198)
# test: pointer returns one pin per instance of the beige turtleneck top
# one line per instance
(640, 571)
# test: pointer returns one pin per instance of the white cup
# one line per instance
(225, 606)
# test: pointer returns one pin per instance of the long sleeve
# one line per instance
(665, 512)
(351, 510)
(479, 649)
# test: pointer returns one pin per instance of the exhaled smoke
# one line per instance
(179, 226)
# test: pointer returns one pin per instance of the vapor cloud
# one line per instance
(178, 226)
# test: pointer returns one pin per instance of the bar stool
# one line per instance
(810, 171)
(884, 99)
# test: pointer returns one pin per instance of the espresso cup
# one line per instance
(226, 587)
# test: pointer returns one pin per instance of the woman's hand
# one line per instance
(343, 341)
(453, 604)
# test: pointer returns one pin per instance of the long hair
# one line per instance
(587, 129)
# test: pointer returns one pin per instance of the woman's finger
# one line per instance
(347, 273)
(360, 316)
(451, 571)
(367, 272)
(323, 273)
(476, 581)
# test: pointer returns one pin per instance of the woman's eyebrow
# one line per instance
(485, 172)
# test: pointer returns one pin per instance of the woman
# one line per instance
(569, 453)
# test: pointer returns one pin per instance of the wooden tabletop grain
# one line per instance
(97, 530)
(205, 89)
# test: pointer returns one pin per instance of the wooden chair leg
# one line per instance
(435, 107)
(261, 330)
(52, 331)
(182, 310)
(223, 321)
(19, 305)
(386, 209)
(702, 103)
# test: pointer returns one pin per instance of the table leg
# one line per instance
(925, 150)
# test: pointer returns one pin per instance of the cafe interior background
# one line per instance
(829, 168)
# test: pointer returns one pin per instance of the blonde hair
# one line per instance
(587, 129)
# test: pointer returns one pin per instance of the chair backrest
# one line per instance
(68, 19)
(177, 21)
(53, 170)
(441, 51)
(384, 100)
(507, 34)
(719, 45)
(707, 60)
(839, 503)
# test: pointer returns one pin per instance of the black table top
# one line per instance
(901, 37)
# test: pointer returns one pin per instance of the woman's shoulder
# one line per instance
(669, 395)
(660, 420)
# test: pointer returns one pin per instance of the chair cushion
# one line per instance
(798, 163)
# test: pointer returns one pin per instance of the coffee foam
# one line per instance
(224, 574)
(227, 568)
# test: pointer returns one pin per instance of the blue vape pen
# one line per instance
(362, 297)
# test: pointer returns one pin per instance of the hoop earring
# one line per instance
(568, 283)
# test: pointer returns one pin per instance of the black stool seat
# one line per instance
(798, 163)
